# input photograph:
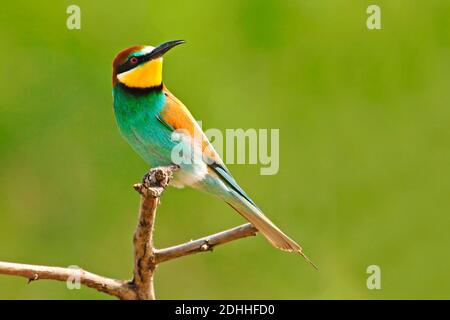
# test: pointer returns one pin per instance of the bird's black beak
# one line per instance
(160, 50)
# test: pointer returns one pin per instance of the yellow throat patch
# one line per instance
(144, 76)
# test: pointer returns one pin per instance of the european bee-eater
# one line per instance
(148, 114)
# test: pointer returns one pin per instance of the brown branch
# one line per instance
(117, 288)
(146, 256)
(206, 243)
(150, 190)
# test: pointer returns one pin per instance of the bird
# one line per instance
(155, 123)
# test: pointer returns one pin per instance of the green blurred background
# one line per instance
(364, 154)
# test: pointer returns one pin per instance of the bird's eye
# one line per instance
(134, 60)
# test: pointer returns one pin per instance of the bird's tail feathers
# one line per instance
(269, 230)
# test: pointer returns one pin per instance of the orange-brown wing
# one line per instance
(177, 116)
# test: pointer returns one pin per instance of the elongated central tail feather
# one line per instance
(269, 230)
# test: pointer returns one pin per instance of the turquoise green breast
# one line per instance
(136, 116)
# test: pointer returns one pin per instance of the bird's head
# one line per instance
(141, 66)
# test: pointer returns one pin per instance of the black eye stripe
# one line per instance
(128, 65)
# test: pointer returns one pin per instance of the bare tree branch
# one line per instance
(117, 288)
(146, 256)
(206, 243)
(150, 190)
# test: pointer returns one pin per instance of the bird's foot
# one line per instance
(155, 180)
(159, 176)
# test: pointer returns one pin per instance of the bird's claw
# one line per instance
(159, 176)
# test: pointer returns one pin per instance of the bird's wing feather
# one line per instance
(226, 176)
(176, 116)
(168, 126)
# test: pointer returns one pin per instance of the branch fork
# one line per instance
(146, 256)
